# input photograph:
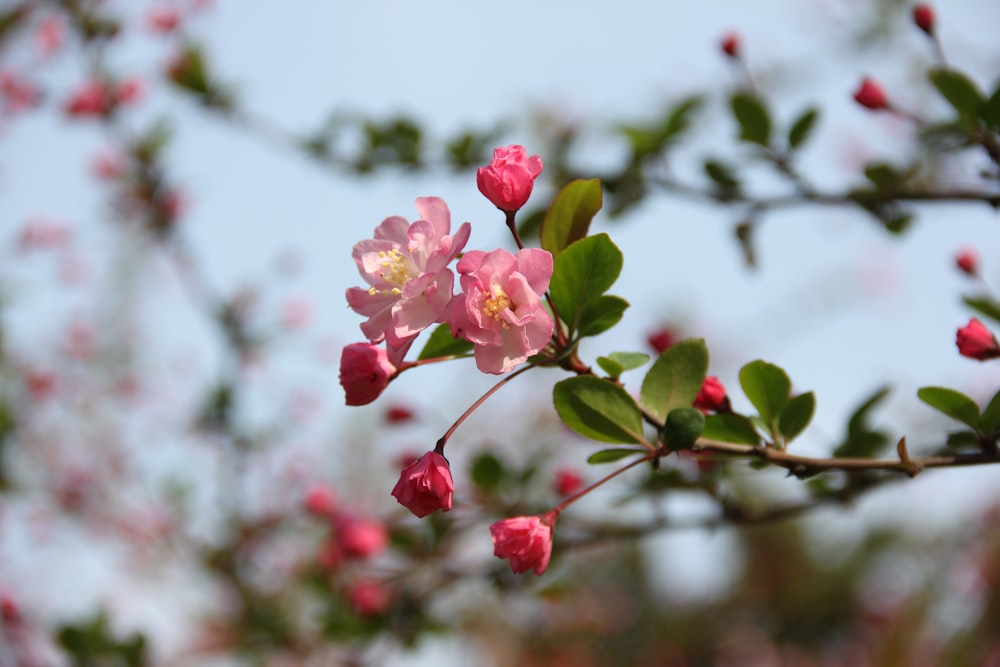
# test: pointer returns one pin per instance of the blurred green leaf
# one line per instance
(612, 455)
(569, 217)
(802, 127)
(442, 344)
(984, 306)
(722, 175)
(767, 386)
(991, 111)
(990, 419)
(486, 471)
(675, 378)
(753, 118)
(682, 427)
(953, 403)
(796, 415)
(598, 409)
(961, 93)
(582, 273)
(731, 428)
(624, 361)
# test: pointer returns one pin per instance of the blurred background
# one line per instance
(172, 314)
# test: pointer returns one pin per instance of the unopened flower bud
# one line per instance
(871, 96)
(730, 44)
(967, 262)
(923, 17)
(524, 540)
(975, 341)
(365, 372)
(712, 396)
(508, 179)
(425, 485)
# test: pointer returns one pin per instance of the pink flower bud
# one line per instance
(365, 372)
(368, 598)
(977, 342)
(508, 179)
(923, 17)
(50, 35)
(525, 540)
(871, 96)
(321, 501)
(359, 537)
(567, 482)
(712, 396)
(662, 339)
(730, 44)
(399, 414)
(93, 98)
(425, 485)
(967, 262)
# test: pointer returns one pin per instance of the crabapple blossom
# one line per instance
(406, 267)
(524, 540)
(425, 485)
(975, 341)
(508, 179)
(500, 310)
(365, 372)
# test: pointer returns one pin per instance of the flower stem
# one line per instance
(572, 499)
(439, 447)
(512, 225)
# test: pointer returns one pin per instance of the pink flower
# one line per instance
(108, 165)
(967, 262)
(871, 96)
(730, 44)
(360, 537)
(500, 310)
(163, 19)
(525, 540)
(18, 94)
(50, 35)
(406, 268)
(321, 501)
(923, 17)
(712, 396)
(368, 597)
(365, 372)
(568, 482)
(93, 98)
(508, 179)
(129, 91)
(977, 342)
(425, 485)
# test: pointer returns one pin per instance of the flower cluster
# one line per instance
(407, 266)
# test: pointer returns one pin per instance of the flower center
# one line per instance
(395, 271)
(496, 304)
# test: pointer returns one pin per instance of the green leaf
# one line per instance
(731, 428)
(963, 439)
(486, 471)
(990, 419)
(629, 360)
(601, 314)
(722, 175)
(802, 127)
(862, 441)
(682, 427)
(984, 306)
(569, 216)
(582, 273)
(767, 386)
(443, 344)
(960, 91)
(953, 403)
(610, 366)
(753, 118)
(598, 409)
(675, 378)
(991, 110)
(612, 455)
(796, 416)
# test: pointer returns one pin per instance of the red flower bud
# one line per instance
(712, 396)
(365, 372)
(730, 44)
(967, 261)
(871, 96)
(368, 598)
(525, 540)
(977, 342)
(568, 482)
(399, 414)
(359, 537)
(508, 179)
(923, 17)
(425, 485)
(321, 501)
(662, 339)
